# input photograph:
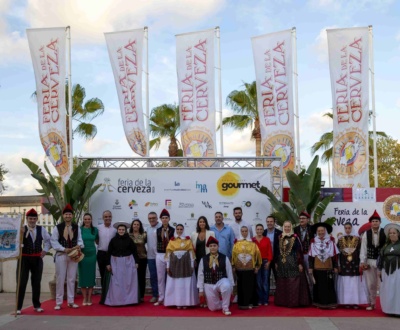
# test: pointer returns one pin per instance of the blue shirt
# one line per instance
(226, 239)
(270, 235)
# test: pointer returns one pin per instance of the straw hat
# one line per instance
(76, 255)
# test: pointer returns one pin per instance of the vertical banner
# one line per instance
(196, 90)
(10, 229)
(274, 79)
(349, 66)
(126, 56)
(48, 52)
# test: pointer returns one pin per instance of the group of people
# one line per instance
(307, 263)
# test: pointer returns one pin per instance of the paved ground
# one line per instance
(43, 322)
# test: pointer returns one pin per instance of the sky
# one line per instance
(238, 22)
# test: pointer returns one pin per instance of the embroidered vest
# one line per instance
(161, 246)
(30, 247)
(373, 251)
(71, 243)
(211, 275)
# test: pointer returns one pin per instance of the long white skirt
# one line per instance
(389, 292)
(181, 291)
(351, 290)
(123, 289)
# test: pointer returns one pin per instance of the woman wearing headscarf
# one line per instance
(351, 290)
(246, 261)
(292, 289)
(122, 266)
(200, 238)
(181, 289)
(389, 270)
(323, 266)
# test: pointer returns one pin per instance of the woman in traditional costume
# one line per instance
(323, 266)
(389, 271)
(87, 267)
(181, 289)
(292, 289)
(122, 266)
(351, 290)
(139, 238)
(246, 261)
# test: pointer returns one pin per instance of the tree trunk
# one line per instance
(173, 150)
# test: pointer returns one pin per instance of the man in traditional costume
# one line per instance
(351, 290)
(65, 238)
(164, 234)
(36, 243)
(372, 242)
(215, 278)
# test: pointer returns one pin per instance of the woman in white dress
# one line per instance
(181, 288)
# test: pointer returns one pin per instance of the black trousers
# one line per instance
(34, 265)
(102, 262)
(142, 276)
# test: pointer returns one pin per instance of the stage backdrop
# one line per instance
(186, 194)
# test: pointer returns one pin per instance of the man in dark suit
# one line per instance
(273, 234)
(305, 234)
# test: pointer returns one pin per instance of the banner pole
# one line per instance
(221, 135)
(146, 38)
(19, 261)
(296, 99)
(71, 157)
(372, 73)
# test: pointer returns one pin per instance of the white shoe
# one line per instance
(227, 312)
(370, 308)
(18, 312)
(57, 307)
(73, 305)
(39, 310)
(158, 303)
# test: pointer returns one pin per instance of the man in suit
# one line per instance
(273, 234)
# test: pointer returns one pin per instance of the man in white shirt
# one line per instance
(65, 238)
(36, 243)
(239, 223)
(152, 253)
(106, 233)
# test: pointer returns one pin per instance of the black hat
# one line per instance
(327, 226)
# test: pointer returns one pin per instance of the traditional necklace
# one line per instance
(285, 247)
(347, 246)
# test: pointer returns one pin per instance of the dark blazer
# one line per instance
(305, 244)
(277, 232)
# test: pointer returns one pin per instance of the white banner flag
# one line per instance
(126, 55)
(349, 65)
(10, 229)
(274, 78)
(48, 51)
(195, 68)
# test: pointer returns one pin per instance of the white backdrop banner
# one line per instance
(48, 51)
(274, 78)
(187, 194)
(126, 56)
(196, 90)
(10, 228)
(349, 69)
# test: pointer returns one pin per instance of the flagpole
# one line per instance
(19, 260)
(71, 157)
(146, 38)
(372, 73)
(296, 99)
(221, 135)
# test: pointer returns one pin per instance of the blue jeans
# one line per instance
(263, 284)
(153, 276)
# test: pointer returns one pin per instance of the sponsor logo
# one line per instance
(186, 205)
(107, 185)
(117, 205)
(257, 218)
(201, 187)
(150, 204)
(132, 203)
(246, 203)
(229, 184)
(168, 204)
(391, 208)
(55, 149)
(192, 218)
(281, 145)
(349, 154)
(141, 186)
(206, 204)
(226, 205)
(177, 184)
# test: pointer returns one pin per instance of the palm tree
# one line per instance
(82, 112)
(165, 123)
(244, 103)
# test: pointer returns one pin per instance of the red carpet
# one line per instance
(147, 309)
